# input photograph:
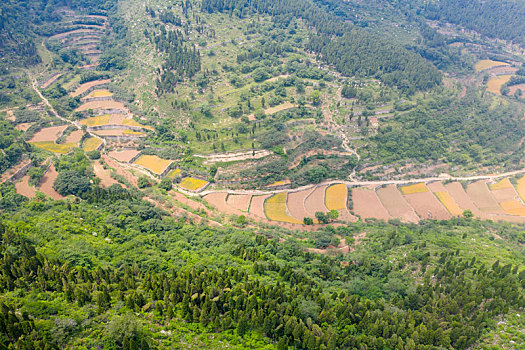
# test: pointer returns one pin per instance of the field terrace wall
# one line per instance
(115, 127)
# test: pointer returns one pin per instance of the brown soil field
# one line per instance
(101, 105)
(86, 86)
(46, 184)
(367, 204)
(494, 84)
(75, 136)
(218, 200)
(104, 175)
(505, 195)
(456, 190)
(239, 201)
(479, 194)
(295, 204)
(257, 206)
(116, 119)
(427, 206)
(23, 126)
(48, 134)
(22, 187)
(396, 205)
(514, 88)
(445, 198)
(124, 155)
(315, 201)
(120, 170)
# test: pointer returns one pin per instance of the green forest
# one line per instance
(254, 100)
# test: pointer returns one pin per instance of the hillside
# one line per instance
(242, 174)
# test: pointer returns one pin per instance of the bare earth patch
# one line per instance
(46, 184)
(482, 198)
(218, 200)
(104, 175)
(124, 155)
(315, 201)
(427, 206)
(296, 204)
(239, 201)
(22, 187)
(48, 134)
(367, 204)
(75, 136)
(257, 206)
(120, 170)
(396, 205)
(101, 105)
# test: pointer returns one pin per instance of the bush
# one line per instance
(165, 184)
(71, 182)
(143, 182)
(93, 154)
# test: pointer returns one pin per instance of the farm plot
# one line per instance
(445, 198)
(458, 194)
(315, 201)
(98, 94)
(86, 86)
(23, 126)
(153, 163)
(257, 205)
(91, 144)
(218, 200)
(120, 170)
(48, 134)
(275, 209)
(24, 188)
(239, 201)
(119, 132)
(426, 205)
(104, 175)
(74, 32)
(513, 207)
(336, 196)
(505, 183)
(367, 204)
(125, 155)
(487, 64)
(75, 137)
(102, 105)
(415, 188)
(46, 184)
(51, 146)
(193, 184)
(482, 198)
(505, 194)
(494, 84)
(296, 204)
(174, 173)
(395, 204)
(132, 122)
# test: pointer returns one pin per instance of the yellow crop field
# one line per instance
(193, 184)
(96, 121)
(54, 147)
(505, 183)
(486, 64)
(416, 188)
(174, 173)
(494, 84)
(446, 199)
(513, 208)
(91, 144)
(279, 183)
(335, 197)
(131, 132)
(100, 93)
(132, 122)
(275, 209)
(153, 163)
(521, 188)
